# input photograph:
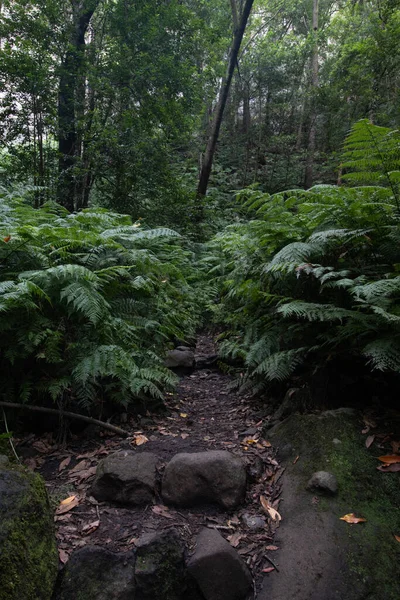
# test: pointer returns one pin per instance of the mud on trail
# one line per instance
(203, 414)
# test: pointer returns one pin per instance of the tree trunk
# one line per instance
(223, 96)
(309, 174)
(71, 76)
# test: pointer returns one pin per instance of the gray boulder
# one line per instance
(218, 569)
(324, 482)
(205, 477)
(28, 553)
(160, 568)
(180, 358)
(126, 478)
(94, 573)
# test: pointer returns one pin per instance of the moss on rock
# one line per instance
(28, 553)
(332, 441)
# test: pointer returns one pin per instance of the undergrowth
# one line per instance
(314, 275)
(89, 304)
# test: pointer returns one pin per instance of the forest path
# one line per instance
(203, 414)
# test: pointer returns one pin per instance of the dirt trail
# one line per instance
(203, 414)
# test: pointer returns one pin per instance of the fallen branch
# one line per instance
(64, 413)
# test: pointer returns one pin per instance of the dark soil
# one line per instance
(203, 414)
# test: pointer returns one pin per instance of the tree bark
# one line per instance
(223, 97)
(309, 174)
(71, 74)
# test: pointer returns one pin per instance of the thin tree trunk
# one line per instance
(309, 174)
(223, 96)
(71, 74)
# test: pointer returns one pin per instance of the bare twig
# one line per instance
(272, 562)
(70, 415)
(10, 438)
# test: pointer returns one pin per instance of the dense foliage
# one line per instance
(89, 303)
(314, 275)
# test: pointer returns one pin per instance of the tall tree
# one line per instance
(239, 29)
(70, 80)
(309, 174)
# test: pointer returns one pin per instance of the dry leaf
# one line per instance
(275, 516)
(184, 436)
(80, 466)
(67, 505)
(268, 570)
(395, 446)
(234, 539)
(390, 460)
(162, 511)
(266, 444)
(90, 527)
(351, 518)
(369, 441)
(139, 440)
(64, 463)
(63, 556)
(397, 538)
(272, 548)
(183, 415)
(394, 468)
(248, 441)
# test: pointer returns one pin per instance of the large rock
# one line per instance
(218, 569)
(180, 358)
(321, 557)
(160, 568)
(205, 477)
(94, 573)
(127, 478)
(28, 554)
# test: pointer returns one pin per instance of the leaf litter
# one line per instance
(204, 414)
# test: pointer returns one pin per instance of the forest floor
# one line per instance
(203, 414)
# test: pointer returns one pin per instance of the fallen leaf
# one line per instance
(184, 436)
(275, 516)
(394, 468)
(90, 527)
(64, 463)
(248, 441)
(351, 518)
(389, 460)
(395, 446)
(84, 475)
(397, 538)
(63, 556)
(268, 570)
(365, 430)
(80, 466)
(234, 539)
(369, 441)
(67, 505)
(183, 415)
(272, 548)
(139, 440)
(162, 511)
(7, 238)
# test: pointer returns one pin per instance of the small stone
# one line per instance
(253, 522)
(126, 478)
(205, 477)
(336, 441)
(218, 569)
(322, 481)
(4, 462)
(179, 359)
(255, 469)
